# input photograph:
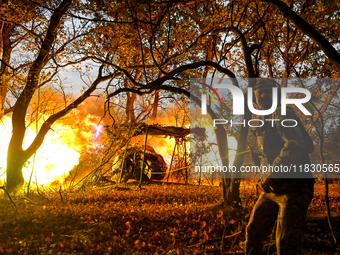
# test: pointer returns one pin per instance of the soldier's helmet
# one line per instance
(266, 83)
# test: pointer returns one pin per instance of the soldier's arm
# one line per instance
(293, 148)
(255, 156)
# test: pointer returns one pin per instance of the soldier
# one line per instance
(283, 199)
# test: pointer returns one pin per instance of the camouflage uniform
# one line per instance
(284, 200)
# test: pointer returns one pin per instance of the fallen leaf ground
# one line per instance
(158, 219)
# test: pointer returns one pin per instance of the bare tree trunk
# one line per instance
(15, 163)
(5, 51)
(130, 112)
(16, 156)
(155, 106)
(231, 188)
(234, 190)
(222, 142)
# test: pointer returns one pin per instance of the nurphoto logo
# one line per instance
(238, 99)
(261, 105)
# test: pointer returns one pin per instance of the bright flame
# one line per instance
(163, 146)
(59, 152)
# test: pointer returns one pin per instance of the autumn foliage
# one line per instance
(157, 219)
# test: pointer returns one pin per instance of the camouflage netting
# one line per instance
(154, 164)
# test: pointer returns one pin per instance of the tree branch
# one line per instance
(305, 27)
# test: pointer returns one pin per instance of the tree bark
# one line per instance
(130, 111)
(223, 148)
(6, 51)
(231, 189)
(16, 156)
(155, 106)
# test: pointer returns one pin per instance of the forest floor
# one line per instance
(157, 219)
